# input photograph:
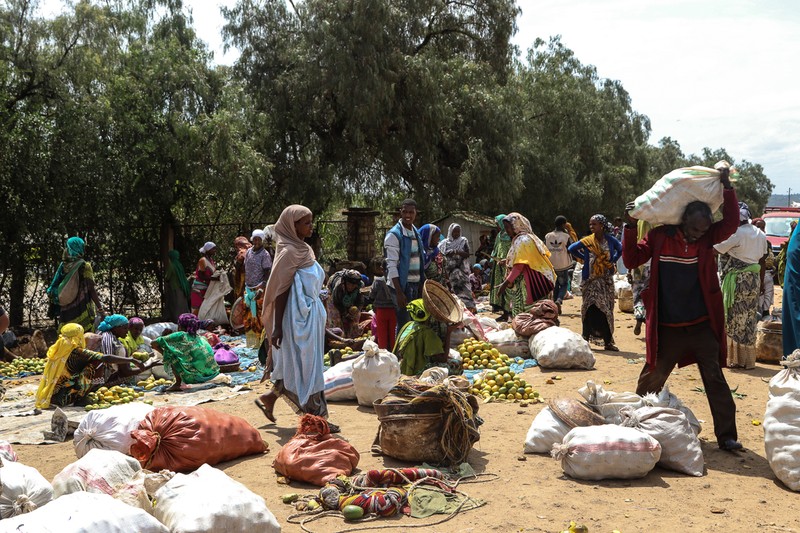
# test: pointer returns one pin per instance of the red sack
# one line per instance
(181, 439)
(314, 455)
(543, 315)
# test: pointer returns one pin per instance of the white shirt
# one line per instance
(557, 242)
(748, 244)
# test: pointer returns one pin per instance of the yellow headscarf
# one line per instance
(527, 248)
(71, 337)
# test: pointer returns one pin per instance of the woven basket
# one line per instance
(440, 303)
(575, 413)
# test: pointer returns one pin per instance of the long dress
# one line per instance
(190, 356)
(78, 378)
(791, 296)
(500, 302)
(81, 310)
(298, 363)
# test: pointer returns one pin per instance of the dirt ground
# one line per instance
(738, 492)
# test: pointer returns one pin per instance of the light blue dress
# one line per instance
(298, 363)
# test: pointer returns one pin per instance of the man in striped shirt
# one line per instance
(685, 317)
(403, 249)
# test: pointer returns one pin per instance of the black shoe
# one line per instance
(730, 445)
(637, 329)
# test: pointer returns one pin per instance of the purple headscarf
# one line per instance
(189, 323)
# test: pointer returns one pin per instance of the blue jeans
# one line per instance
(561, 285)
(412, 292)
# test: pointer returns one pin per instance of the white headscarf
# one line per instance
(453, 245)
(206, 247)
(258, 233)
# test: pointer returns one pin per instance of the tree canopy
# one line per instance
(116, 122)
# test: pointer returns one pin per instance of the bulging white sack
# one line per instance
(608, 403)
(99, 471)
(546, 429)
(374, 374)
(22, 489)
(558, 347)
(109, 429)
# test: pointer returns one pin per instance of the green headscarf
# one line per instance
(502, 235)
(416, 309)
(176, 274)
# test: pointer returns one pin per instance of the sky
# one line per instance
(708, 73)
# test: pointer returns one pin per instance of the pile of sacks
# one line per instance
(618, 435)
(106, 491)
(782, 423)
(365, 378)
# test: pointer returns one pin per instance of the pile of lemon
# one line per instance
(105, 397)
(477, 355)
(22, 364)
(151, 382)
(344, 351)
(504, 384)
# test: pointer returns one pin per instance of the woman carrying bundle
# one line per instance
(71, 370)
(530, 274)
(294, 320)
(72, 293)
(599, 253)
(186, 354)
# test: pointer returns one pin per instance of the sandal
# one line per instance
(610, 347)
(267, 412)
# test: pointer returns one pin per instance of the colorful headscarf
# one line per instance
(136, 321)
(416, 309)
(501, 235)
(426, 232)
(70, 338)
(527, 248)
(189, 323)
(744, 212)
(112, 321)
(207, 247)
(602, 220)
(75, 247)
(177, 276)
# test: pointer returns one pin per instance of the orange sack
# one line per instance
(314, 455)
(181, 439)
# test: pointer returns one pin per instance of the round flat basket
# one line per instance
(237, 313)
(440, 303)
(575, 413)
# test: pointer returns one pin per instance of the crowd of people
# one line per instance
(695, 288)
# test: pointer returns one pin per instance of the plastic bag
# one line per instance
(506, 341)
(559, 347)
(608, 403)
(7, 452)
(84, 511)
(666, 200)
(223, 354)
(374, 374)
(680, 447)
(209, 500)
(213, 306)
(183, 438)
(546, 429)
(315, 456)
(22, 489)
(109, 429)
(153, 331)
(607, 452)
(339, 382)
(99, 471)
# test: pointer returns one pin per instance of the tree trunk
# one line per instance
(16, 313)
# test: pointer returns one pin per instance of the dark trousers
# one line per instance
(698, 341)
(412, 292)
(561, 285)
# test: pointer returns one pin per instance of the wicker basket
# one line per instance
(442, 305)
(575, 413)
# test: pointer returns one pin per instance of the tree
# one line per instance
(381, 99)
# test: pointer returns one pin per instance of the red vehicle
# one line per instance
(778, 220)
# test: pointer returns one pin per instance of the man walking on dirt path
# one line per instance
(404, 253)
(685, 317)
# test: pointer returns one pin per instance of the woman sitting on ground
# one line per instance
(345, 302)
(424, 343)
(186, 354)
(71, 370)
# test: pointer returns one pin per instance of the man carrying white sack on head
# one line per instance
(685, 317)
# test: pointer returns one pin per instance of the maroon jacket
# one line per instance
(635, 254)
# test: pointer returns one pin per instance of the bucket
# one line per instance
(410, 435)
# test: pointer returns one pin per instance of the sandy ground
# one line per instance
(738, 492)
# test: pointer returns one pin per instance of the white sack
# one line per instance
(99, 471)
(608, 403)
(209, 500)
(666, 200)
(506, 341)
(84, 512)
(488, 323)
(607, 452)
(153, 331)
(787, 381)
(558, 347)
(138, 491)
(339, 382)
(782, 438)
(374, 374)
(680, 447)
(546, 429)
(22, 489)
(110, 429)
(213, 306)
(666, 399)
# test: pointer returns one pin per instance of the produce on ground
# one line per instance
(22, 365)
(105, 397)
